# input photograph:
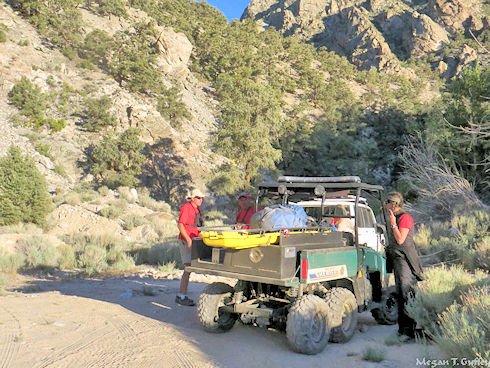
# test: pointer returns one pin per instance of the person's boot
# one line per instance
(185, 301)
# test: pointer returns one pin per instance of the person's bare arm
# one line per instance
(184, 234)
(400, 234)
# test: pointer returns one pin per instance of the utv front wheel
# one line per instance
(387, 313)
(211, 308)
(343, 312)
(308, 325)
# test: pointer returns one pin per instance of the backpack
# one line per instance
(278, 216)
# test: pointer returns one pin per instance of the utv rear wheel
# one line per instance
(387, 313)
(342, 306)
(210, 308)
(308, 325)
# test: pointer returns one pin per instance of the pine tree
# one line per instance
(23, 190)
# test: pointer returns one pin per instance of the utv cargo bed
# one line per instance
(272, 263)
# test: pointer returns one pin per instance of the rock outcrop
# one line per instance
(175, 51)
(456, 14)
(372, 33)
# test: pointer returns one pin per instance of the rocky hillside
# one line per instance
(26, 54)
(385, 33)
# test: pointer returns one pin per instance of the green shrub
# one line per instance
(10, 262)
(56, 125)
(374, 354)
(108, 7)
(216, 218)
(115, 209)
(441, 287)
(4, 281)
(21, 228)
(171, 107)
(72, 198)
(123, 263)
(67, 259)
(92, 259)
(164, 228)
(131, 221)
(43, 149)
(23, 190)
(85, 64)
(97, 116)
(125, 193)
(28, 98)
(116, 160)
(464, 327)
(392, 340)
(164, 253)
(469, 243)
(39, 251)
(59, 169)
(145, 200)
(96, 46)
(3, 36)
(86, 194)
(103, 190)
(169, 267)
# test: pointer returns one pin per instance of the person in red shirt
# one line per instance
(190, 218)
(247, 209)
(403, 259)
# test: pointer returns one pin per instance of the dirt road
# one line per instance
(112, 322)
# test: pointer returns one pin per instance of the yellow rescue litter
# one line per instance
(240, 239)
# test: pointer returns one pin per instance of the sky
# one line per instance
(232, 9)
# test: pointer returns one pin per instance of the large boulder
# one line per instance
(175, 51)
(467, 57)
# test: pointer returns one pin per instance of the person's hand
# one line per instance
(392, 218)
(189, 243)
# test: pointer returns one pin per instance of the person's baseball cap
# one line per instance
(393, 198)
(195, 193)
(244, 195)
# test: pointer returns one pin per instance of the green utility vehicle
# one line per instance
(310, 281)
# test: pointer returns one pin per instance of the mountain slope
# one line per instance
(383, 33)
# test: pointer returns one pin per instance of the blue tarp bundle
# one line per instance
(278, 216)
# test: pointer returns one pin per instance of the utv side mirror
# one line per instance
(380, 229)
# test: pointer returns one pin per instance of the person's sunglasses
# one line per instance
(389, 201)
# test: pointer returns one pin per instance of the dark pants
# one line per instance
(404, 280)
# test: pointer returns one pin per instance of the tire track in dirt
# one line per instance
(12, 347)
(74, 348)
(126, 339)
(183, 360)
(122, 327)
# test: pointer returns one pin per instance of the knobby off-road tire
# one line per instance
(212, 317)
(387, 314)
(342, 306)
(308, 325)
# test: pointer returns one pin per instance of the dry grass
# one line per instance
(440, 188)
